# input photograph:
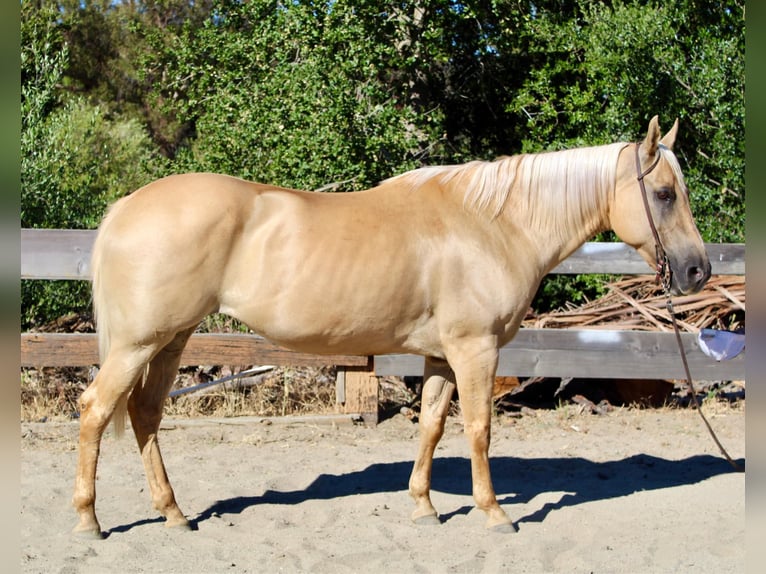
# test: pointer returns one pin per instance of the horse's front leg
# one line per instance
(438, 388)
(475, 365)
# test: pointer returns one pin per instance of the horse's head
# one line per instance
(668, 203)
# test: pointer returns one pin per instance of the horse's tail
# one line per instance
(101, 318)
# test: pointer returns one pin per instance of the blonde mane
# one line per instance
(560, 191)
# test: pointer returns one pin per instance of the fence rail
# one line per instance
(65, 254)
(81, 349)
(592, 354)
(48, 254)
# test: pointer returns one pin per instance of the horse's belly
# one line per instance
(327, 295)
(328, 315)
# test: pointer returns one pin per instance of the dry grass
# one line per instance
(283, 391)
(51, 394)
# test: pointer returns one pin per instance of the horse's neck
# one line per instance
(561, 200)
(555, 254)
(552, 238)
(552, 249)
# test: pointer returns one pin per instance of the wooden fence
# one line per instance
(65, 254)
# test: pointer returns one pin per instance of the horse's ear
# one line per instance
(652, 138)
(670, 138)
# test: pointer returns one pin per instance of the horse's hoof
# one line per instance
(179, 525)
(426, 520)
(425, 516)
(504, 528)
(93, 533)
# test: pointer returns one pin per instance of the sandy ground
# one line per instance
(631, 491)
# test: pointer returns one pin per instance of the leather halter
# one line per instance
(663, 271)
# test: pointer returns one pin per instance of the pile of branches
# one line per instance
(637, 303)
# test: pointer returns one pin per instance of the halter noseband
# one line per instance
(663, 271)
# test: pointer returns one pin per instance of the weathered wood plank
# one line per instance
(78, 349)
(56, 253)
(621, 259)
(591, 353)
(65, 254)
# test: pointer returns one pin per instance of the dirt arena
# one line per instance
(629, 491)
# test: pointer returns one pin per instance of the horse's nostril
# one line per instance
(695, 273)
(698, 275)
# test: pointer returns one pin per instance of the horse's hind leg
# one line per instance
(117, 376)
(145, 407)
(438, 387)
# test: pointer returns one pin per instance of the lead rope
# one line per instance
(664, 275)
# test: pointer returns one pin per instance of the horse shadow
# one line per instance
(516, 480)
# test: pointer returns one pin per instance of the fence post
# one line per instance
(357, 391)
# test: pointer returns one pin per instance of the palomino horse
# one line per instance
(440, 261)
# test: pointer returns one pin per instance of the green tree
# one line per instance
(293, 95)
(601, 71)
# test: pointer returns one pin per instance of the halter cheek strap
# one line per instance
(664, 273)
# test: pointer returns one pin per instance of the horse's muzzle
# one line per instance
(690, 276)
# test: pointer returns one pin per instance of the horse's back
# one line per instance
(184, 200)
(296, 266)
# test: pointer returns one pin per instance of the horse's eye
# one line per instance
(665, 194)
